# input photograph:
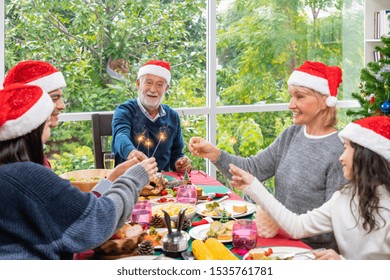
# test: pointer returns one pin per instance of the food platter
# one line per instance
(228, 206)
(162, 200)
(281, 252)
(199, 232)
(86, 179)
(173, 210)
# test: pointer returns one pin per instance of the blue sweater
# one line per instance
(129, 122)
(45, 217)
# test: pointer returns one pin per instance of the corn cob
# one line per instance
(219, 251)
(200, 251)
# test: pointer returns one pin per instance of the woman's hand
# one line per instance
(150, 166)
(327, 255)
(201, 148)
(240, 178)
(121, 168)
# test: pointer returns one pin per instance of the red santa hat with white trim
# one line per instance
(23, 108)
(372, 133)
(319, 77)
(156, 67)
(39, 73)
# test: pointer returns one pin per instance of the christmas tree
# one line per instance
(374, 95)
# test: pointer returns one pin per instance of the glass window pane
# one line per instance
(259, 44)
(100, 45)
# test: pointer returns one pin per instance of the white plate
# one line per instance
(190, 212)
(199, 232)
(228, 205)
(155, 201)
(279, 251)
(161, 230)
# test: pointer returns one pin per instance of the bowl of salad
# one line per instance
(86, 179)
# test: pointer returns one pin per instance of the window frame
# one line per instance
(211, 110)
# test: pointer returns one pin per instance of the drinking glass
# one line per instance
(244, 236)
(142, 213)
(186, 194)
(109, 160)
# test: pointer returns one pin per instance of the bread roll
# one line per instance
(240, 208)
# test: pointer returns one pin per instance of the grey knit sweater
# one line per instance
(307, 172)
(45, 217)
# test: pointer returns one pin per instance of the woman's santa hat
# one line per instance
(372, 133)
(319, 77)
(156, 67)
(39, 73)
(23, 108)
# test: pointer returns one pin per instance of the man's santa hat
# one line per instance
(23, 108)
(39, 73)
(372, 133)
(156, 67)
(319, 77)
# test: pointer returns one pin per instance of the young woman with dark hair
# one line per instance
(42, 215)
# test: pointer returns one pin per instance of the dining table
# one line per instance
(211, 185)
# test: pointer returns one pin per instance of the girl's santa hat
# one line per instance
(156, 67)
(372, 133)
(319, 77)
(23, 108)
(39, 73)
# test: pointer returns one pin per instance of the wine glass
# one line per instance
(142, 213)
(186, 194)
(244, 236)
(109, 160)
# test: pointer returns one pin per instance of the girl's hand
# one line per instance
(327, 255)
(240, 178)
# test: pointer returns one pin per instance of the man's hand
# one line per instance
(240, 178)
(183, 164)
(122, 168)
(201, 148)
(137, 154)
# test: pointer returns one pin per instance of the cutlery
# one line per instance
(222, 198)
(303, 253)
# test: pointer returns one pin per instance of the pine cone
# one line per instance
(146, 247)
(186, 224)
(157, 222)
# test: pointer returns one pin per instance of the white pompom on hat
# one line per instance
(33, 72)
(23, 108)
(372, 133)
(319, 77)
(156, 67)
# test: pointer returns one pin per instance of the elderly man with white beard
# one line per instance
(144, 127)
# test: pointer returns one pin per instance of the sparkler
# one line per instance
(140, 138)
(148, 143)
(161, 137)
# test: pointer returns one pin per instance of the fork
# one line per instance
(303, 253)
